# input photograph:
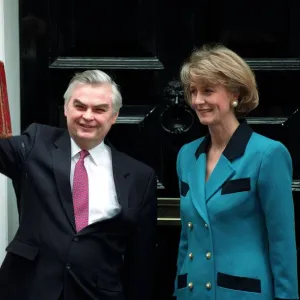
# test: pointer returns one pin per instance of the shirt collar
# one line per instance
(95, 153)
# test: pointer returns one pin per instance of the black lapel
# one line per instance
(121, 173)
(238, 142)
(203, 147)
(224, 169)
(61, 155)
(236, 146)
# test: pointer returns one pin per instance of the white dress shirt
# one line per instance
(103, 202)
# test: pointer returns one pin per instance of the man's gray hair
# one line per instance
(95, 77)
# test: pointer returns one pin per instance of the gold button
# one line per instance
(208, 255)
(191, 256)
(190, 285)
(190, 225)
(208, 285)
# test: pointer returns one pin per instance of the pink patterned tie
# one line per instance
(81, 193)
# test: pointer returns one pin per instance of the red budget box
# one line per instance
(5, 121)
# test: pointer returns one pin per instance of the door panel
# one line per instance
(142, 44)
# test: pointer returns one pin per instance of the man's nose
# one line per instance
(88, 115)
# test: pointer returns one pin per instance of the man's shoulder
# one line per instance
(43, 131)
(43, 128)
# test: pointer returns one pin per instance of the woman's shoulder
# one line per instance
(263, 141)
(191, 146)
(265, 144)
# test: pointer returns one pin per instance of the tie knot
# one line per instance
(83, 154)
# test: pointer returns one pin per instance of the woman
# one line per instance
(238, 236)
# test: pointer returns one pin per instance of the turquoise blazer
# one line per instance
(238, 235)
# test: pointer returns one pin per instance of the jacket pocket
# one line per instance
(181, 281)
(23, 249)
(184, 188)
(236, 185)
(239, 283)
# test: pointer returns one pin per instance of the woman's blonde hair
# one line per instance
(214, 65)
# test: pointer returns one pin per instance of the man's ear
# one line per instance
(65, 110)
(115, 117)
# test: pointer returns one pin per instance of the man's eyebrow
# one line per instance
(77, 101)
(102, 105)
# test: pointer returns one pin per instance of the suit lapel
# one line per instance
(61, 156)
(224, 169)
(121, 175)
(197, 182)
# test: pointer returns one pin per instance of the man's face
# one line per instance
(90, 114)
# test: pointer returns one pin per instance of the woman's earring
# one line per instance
(234, 103)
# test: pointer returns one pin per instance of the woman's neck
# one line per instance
(221, 134)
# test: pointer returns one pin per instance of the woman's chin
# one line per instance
(206, 121)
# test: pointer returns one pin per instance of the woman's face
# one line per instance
(212, 104)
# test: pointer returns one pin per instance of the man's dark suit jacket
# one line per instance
(107, 260)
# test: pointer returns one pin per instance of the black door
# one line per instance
(141, 44)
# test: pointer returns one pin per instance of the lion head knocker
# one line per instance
(177, 117)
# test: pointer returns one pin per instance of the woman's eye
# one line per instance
(208, 91)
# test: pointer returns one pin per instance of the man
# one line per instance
(87, 212)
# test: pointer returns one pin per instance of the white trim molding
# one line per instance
(9, 54)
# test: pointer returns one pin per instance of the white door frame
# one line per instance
(10, 55)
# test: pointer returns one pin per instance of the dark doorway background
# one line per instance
(141, 44)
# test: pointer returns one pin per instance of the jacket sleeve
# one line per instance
(14, 150)
(275, 192)
(183, 243)
(140, 255)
